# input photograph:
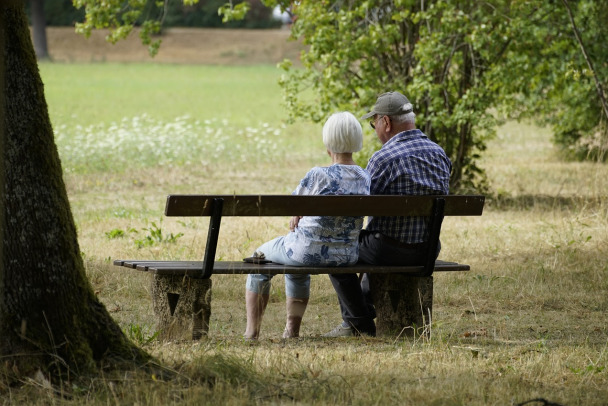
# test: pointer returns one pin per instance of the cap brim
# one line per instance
(368, 115)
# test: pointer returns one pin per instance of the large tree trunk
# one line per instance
(39, 29)
(50, 319)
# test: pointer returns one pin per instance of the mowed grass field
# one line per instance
(528, 321)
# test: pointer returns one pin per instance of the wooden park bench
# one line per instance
(181, 290)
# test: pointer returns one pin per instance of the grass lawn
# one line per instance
(528, 321)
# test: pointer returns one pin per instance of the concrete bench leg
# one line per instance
(404, 304)
(182, 306)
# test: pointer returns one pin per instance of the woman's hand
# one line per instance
(293, 223)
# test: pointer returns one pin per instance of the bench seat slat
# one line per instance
(193, 268)
(343, 205)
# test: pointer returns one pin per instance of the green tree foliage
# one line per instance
(177, 14)
(546, 76)
(441, 54)
(121, 16)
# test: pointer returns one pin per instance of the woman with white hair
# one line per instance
(314, 240)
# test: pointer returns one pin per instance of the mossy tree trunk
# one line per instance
(50, 318)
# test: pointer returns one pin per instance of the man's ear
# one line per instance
(388, 126)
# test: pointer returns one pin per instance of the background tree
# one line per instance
(205, 14)
(44, 13)
(547, 77)
(588, 60)
(441, 54)
(122, 16)
(61, 13)
(39, 29)
(174, 14)
(50, 319)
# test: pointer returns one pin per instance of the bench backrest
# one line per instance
(343, 205)
(217, 206)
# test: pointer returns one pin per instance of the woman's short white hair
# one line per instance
(342, 133)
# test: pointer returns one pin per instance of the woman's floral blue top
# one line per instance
(322, 240)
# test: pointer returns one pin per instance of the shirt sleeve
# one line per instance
(305, 187)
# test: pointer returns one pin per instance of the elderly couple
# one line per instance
(407, 164)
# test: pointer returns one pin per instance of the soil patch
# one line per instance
(179, 45)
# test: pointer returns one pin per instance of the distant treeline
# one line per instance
(202, 14)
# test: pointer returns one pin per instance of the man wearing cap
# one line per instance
(408, 163)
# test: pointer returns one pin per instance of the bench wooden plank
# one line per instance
(343, 205)
(193, 268)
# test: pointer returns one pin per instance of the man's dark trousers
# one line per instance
(354, 294)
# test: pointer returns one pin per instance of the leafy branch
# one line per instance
(577, 34)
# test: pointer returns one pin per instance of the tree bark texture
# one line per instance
(39, 29)
(49, 316)
(182, 306)
(404, 304)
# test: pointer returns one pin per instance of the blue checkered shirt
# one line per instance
(408, 164)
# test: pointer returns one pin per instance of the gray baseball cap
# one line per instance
(390, 104)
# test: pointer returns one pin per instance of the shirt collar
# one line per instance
(406, 135)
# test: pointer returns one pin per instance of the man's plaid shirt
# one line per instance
(408, 164)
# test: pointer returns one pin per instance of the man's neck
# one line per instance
(404, 127)
(399, 128)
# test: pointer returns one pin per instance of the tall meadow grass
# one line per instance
(528, 321)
